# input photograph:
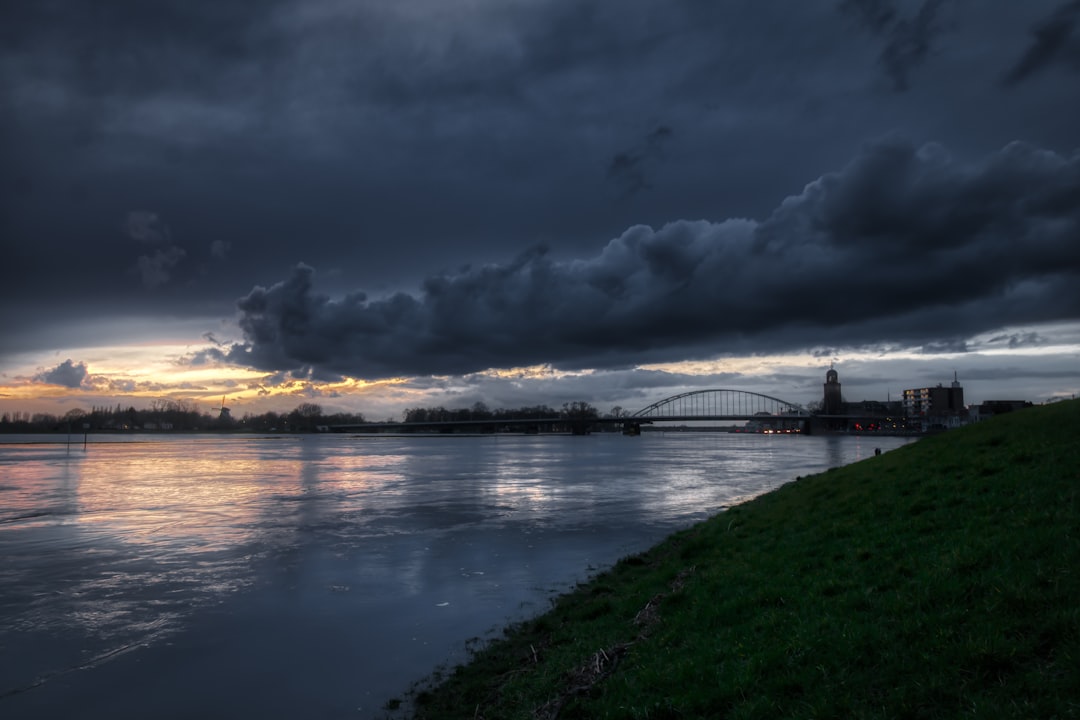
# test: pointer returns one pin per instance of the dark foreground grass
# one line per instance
(938, 580)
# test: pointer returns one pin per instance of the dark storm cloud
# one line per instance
(1055, 41)
(219, 249)
(1011, 372)
(908, 40)
(132, 46)
(146, 227)
(948, 346)
(904, 245)
(155, 267)
(1018, 340)
(630, 169)
(67, 374)
(877, 15)
(389, 140)
(256, 124)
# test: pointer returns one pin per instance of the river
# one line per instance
(319, 576)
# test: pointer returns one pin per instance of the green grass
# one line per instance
(937, 580)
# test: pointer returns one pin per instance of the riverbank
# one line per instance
(936, 580)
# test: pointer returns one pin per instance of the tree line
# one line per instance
(578, 410)
(172, 416)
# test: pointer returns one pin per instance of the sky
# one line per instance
(374, 206)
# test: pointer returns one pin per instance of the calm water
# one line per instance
(317, 576)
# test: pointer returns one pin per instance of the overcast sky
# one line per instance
(381, 204)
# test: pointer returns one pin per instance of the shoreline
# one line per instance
(865, 587)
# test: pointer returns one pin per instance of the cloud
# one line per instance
(606, 388)
(122, 386)
(146, 227)
(219, 249)
(67, 374)
(154, 269)
(907, 40)
(1006, 373)
(629, 169)
(948, 346)
(1054, 42)
(877, 15)
(1018, 340)
(904, 245)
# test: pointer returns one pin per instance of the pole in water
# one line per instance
(85, 432)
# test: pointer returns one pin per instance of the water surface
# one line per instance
(317, 576)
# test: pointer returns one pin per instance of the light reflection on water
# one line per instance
(189, 552)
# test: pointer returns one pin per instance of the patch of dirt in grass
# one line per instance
(601, 664)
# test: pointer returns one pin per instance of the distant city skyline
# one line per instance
(855, 389)
(380, 206)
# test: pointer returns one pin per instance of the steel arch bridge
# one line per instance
(720, 404)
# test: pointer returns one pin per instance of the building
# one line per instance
(874, 416)
(935, 406)
(832, 403)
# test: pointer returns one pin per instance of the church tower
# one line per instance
(956, 395)
(832, 404)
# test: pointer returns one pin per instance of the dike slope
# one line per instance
(941, 579)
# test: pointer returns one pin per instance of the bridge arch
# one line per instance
(719, 402)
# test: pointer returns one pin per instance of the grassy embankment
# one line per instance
(938, 580)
